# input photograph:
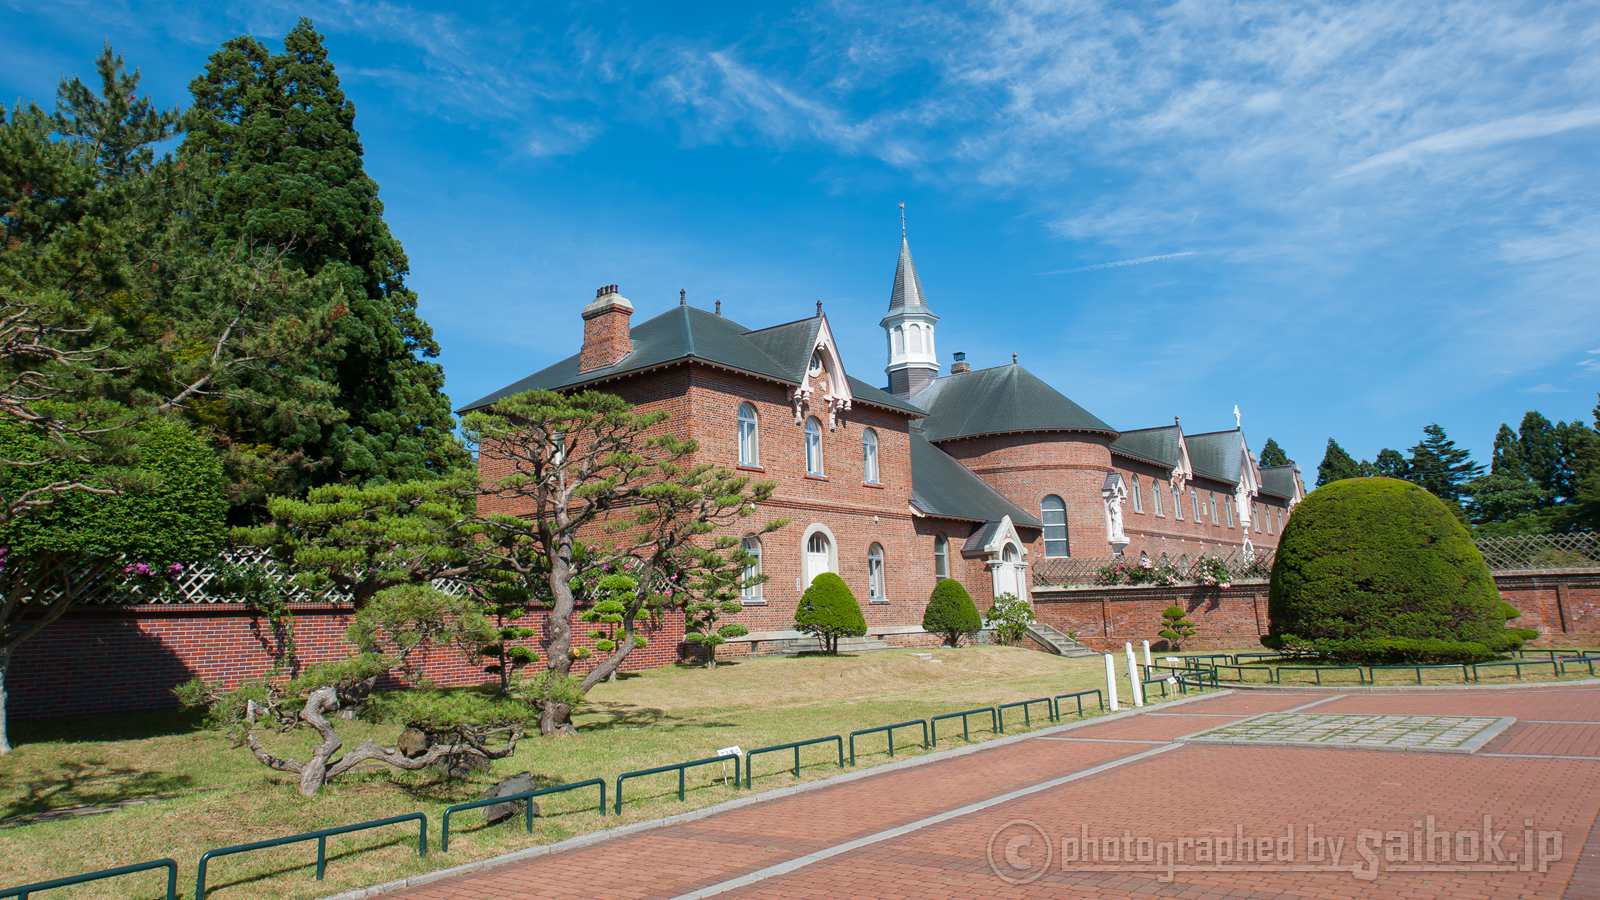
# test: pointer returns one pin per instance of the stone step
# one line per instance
(1057, 642)
(810, 644)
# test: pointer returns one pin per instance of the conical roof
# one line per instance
(906, 295)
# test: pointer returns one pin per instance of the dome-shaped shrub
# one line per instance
(951, 612)
(828, 610)
(1376, 570)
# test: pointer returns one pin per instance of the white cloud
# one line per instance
(559, 137)
(1478, 137)
(1124, 263)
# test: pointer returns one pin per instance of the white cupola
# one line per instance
(909, 324)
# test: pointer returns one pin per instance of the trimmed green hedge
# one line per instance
(828, 610)
(951, 612)
(1379, 570)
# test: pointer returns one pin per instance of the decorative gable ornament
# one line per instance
(824, 382)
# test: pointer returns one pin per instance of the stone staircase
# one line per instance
(1056, 642)
(809, 644)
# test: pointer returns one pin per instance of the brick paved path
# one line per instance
(1127, 806)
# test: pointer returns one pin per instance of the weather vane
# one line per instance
(902, 218)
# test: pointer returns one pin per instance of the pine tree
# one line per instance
(1337, 465)
(1390, 464)
(1441, 467)
(118, 127)
(1273, 455)
(272, 141)
(1541, 451)
(1507, 458)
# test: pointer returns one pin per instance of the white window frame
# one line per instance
(751, 593)
(1155, 499)
(1177, 504)
(869, 457)
(1215, 519)
(876, 588)
(1066, 532)
(1138, 495)
(941, 556)
(1194, 501)
(749, 436)
(814, 460)
(1227, 504)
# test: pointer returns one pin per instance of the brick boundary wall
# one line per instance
(1563, 607)
(119, 659)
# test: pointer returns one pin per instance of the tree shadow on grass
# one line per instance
(108, 727)
(626, 715)
(87, 788)
(309, 867)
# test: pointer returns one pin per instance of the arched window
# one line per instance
(749, 436)
(1213, 497)
(941, 556)
(1259, 510)
(1177, 505)
(813, 447)
(899, 340)
(869, 456)
(1194, 501)
(816, 363)
(819, 554)
(1227, 503)
(1138, 496)
(1053, 513)
(875, 574)
(1155, 498)
(751, 591)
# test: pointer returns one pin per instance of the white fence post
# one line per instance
(1136, 689)
(1111, 681)
(1147, 653)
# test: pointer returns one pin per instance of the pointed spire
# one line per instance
(906, 295)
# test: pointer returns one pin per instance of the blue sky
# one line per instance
(1350, 219)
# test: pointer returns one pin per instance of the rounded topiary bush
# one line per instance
(1380, 570)
(828, 610)
(951, 612)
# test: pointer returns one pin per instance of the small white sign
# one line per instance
(731, 751)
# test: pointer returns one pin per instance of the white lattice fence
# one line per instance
(1542, 552)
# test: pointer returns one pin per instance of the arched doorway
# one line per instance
(818, 555)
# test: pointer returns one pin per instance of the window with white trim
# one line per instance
(813, 447)
(869, 456)
(749, 436)
(1259, 510)
(1155, 498)
(875, 574)
(1214, 519)
(1053, 513)
(1138, 496)
(1194, 501)
(751, 591)
(941, 556)
(1177, 504)
(1227, 503)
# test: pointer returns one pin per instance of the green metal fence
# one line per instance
(24, 891)
(1588, 659)
(680, 768)
(1079, 695)
(966, 735)
(320, 836)
(525, 797)
(1027, 718)
(1418, 668)
(1361, 673)
(1517, 664)
(888, 730)
(750, 756)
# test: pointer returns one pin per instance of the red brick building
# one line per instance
(983, 475)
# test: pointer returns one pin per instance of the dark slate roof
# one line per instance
(941, 486)
(1216, 454)
(1002, 400)
(906, 294)
(1278, 481)
(1159, 445)
(685, 333)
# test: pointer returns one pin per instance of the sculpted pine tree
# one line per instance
(272, 144)
(595, 487)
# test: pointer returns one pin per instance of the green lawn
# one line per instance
(199, 792)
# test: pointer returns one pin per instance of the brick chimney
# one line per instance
(959, 364)
(606, 335)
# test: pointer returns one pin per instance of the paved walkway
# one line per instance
(1502, 804)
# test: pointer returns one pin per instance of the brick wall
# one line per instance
(1564, 608)
(108, 660)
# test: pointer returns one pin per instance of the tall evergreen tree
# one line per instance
(272, 140)
(1541, 450)
(1440, 466)
(1507, 458)
(1390, 464)
(1273, 455)
(1337, 465)
(118, 127)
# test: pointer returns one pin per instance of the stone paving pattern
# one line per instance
(1192, 790)
(1403, 732)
